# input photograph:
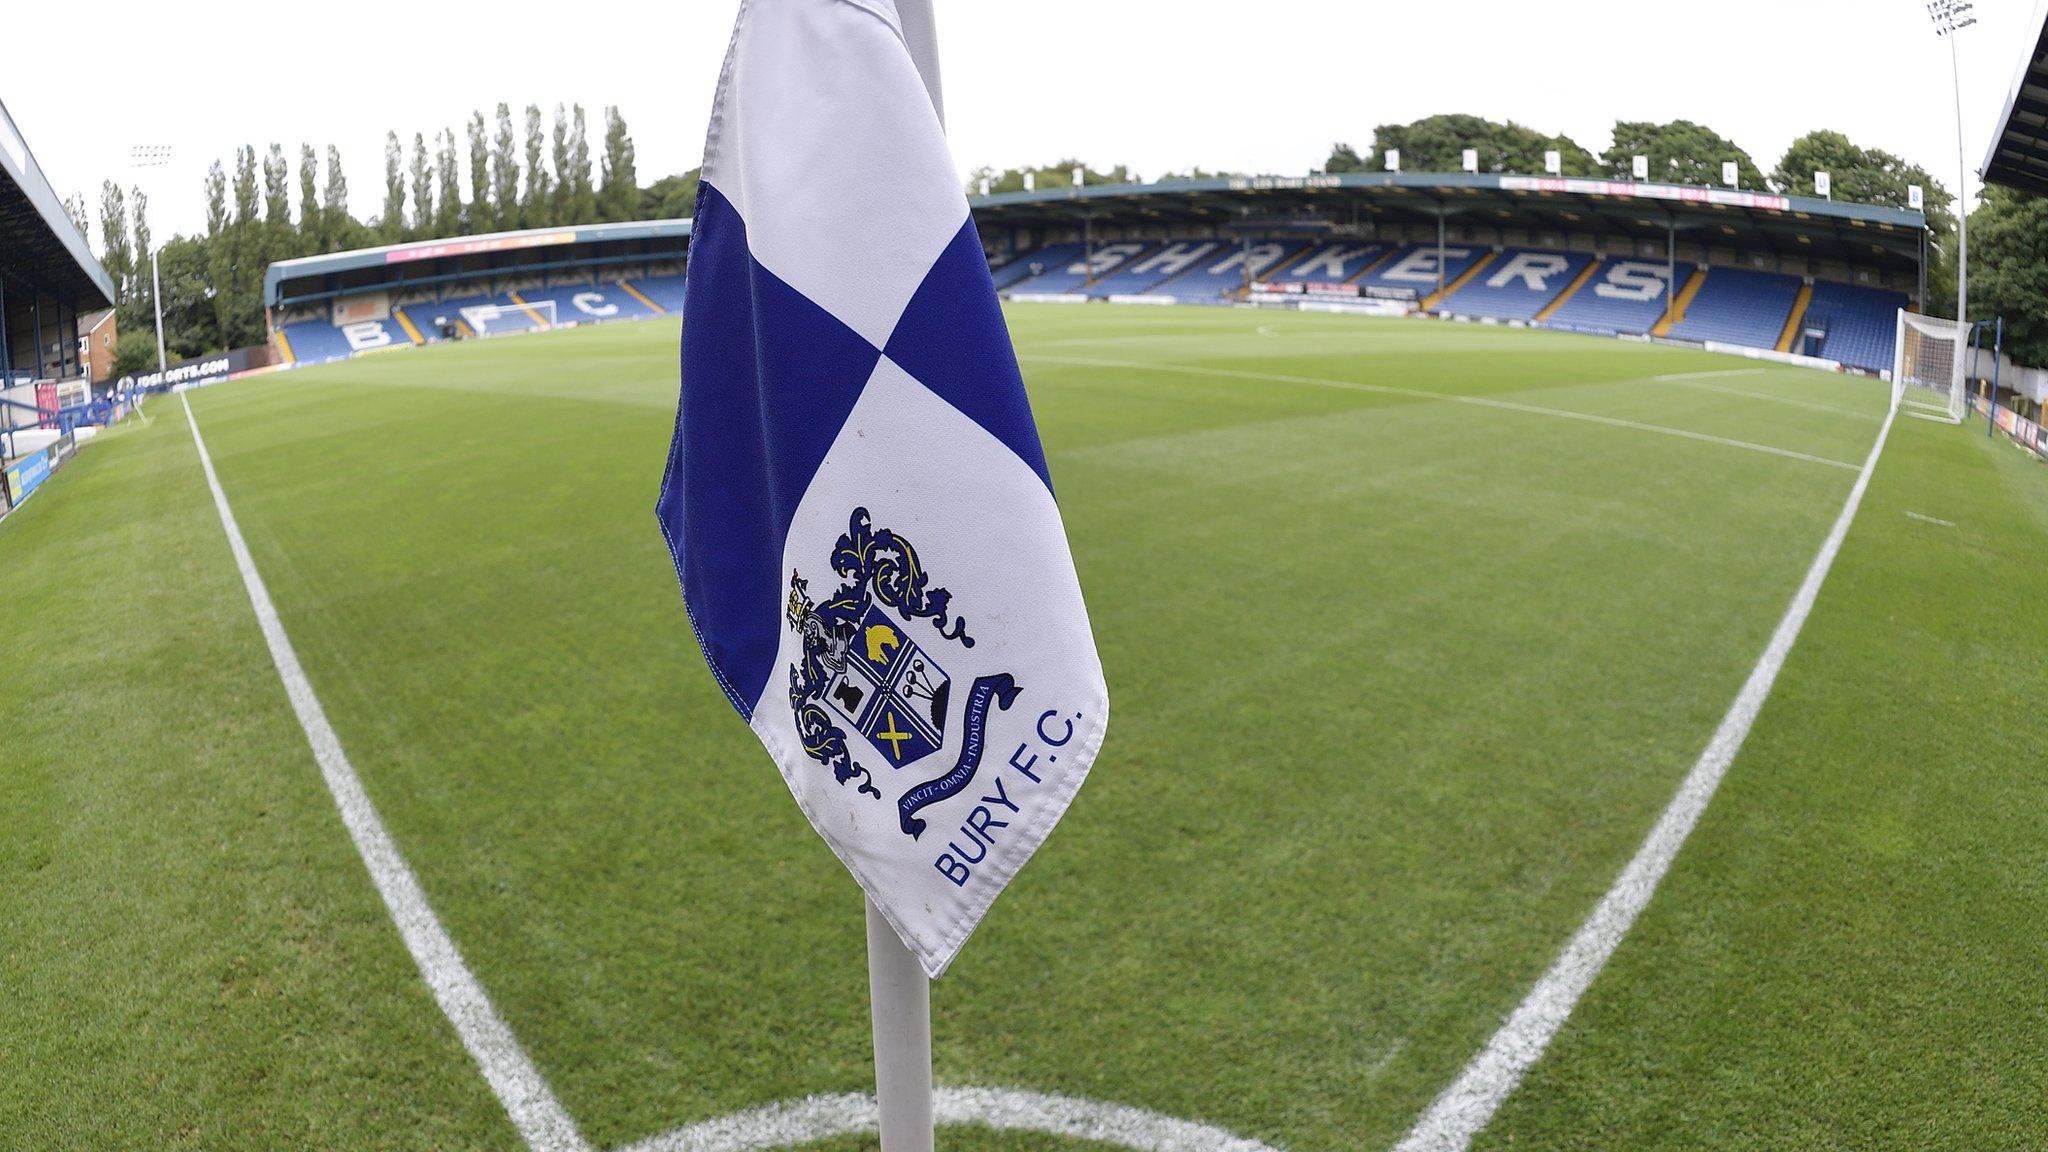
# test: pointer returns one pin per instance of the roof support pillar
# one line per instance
(1439, 245)
(1921, 299)
(1088, 249)
(35, 304)
(1670, 266)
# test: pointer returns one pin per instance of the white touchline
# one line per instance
(1446, 397)
(540, 1118)
(1469, 1103)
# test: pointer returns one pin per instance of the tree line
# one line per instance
(497, 174)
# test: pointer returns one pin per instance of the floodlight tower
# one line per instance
(154, 156)
(1951, 17)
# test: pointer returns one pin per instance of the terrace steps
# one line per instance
(1797, 319)
(1442, 294)
(1570, 290)
(1684, 301)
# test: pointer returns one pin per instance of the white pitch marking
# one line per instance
(1452, 398)
(539, 1117)
(1469, 1103)
(823, 1117)
(1707, 375)
(1924, 519)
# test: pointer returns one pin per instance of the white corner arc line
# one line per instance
(1449, 398)
(1465, 1108)
(539, 1117)
(824, 1117)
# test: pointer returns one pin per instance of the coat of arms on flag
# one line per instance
(859, 509)
(861, 657)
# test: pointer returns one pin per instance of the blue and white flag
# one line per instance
(856, 498)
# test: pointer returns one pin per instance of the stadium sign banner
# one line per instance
(2024, 432)
(856, 500)
(27, 474)
(360, 307)
(479, 245)
(193, 373)
(1578, 186)
(1307, 288)
(1278, 183)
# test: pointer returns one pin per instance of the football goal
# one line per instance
(1927, 367)
(498, 319)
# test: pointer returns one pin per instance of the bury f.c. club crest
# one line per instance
(866, 666)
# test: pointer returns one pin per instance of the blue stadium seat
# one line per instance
(318, 341)
(1739, 306)
(1073, 275)
(667, 291)
(590, 303)
(1161, 264)
(1517, 285)
(1414, 268)
(1222, 271)
(1034, 263)
(1624, 295)
(1862, 323)
(1333, 262)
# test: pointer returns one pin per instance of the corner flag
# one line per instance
(856, 500)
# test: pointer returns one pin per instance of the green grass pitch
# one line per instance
(1401, 680)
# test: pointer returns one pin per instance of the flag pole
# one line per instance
(901, 996)
(903, 1039)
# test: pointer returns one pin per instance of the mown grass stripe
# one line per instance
(1465, 1108)
(1447, 397)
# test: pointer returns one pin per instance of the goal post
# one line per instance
(1928, 362)
(498, 319)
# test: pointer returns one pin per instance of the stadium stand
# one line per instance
(1688, 264)
(1517, 284)
(1623, 297)
(50, 285)
(1861, 323)
(334, 306)
(1757, 269)
(1740, 306)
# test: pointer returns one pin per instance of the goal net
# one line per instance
(1927, 367)
(498, 319)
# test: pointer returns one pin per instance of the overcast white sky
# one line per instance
(1160, 84)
